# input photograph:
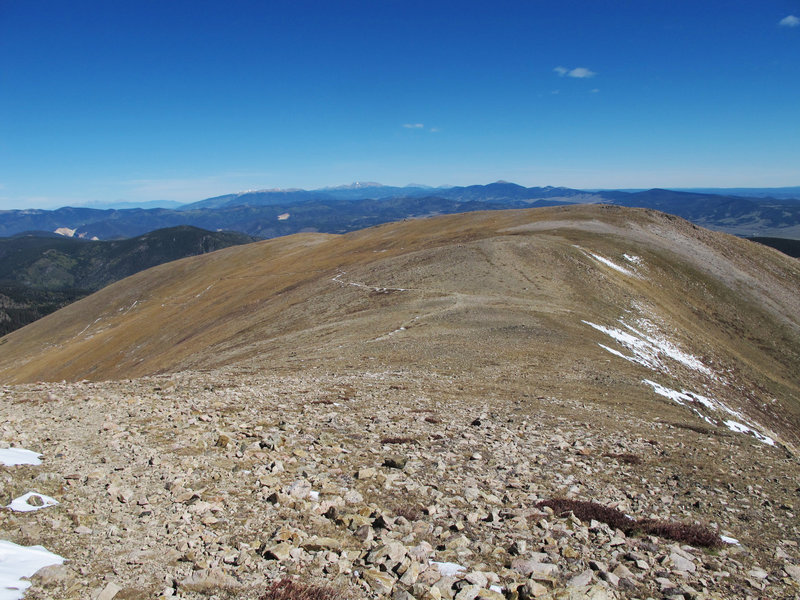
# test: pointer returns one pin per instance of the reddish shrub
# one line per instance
(628, 459)
(408, 512)
(288, 589)
(687, 533)
(397, 440)
(586, 511)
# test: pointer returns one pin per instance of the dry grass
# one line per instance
(687, 533)
(288, 589)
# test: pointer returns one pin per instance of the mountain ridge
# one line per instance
(338, 210)
(309, 276)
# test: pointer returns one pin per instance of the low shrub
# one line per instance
(628, 459)
(586, 511)
(397, 440)
(288, 589)
(696, 428)
(687, 533)
(408, 512)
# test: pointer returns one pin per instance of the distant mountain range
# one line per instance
(273, 213)
(779, 192)
(40, 272)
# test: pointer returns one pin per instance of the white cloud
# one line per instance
(414, 125)
(581, 73)
(790, 21)
(577, 72)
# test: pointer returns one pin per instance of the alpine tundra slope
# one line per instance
(398, 411)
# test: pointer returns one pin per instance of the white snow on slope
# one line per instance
(338, 280)
(729, 540)
(448, 569)
(649, 349)
(613, 265)
(610, 263)
(21, 504)
(683, 398)
(18, 456)
(739, 428)
(686, 398)
(17, 562)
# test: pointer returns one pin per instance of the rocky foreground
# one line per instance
(384, 484)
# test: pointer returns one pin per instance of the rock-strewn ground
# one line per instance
(214, 484)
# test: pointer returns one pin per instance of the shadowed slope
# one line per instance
(612, 305)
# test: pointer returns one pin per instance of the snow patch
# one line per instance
(685, 398)
(613, 265)
(739, 428)
(129, 309)
(19, 562)
(448, 569)
(338, 279)
(284, 216)
(21, 504)
(729, 540)
(633, 259)
(65, 231)
(649, 348)
(388, 335)
(19, 456)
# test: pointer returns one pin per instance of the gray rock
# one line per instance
(581, 579)
(477, 578)
(353, 497)
(54, 575)
(682, 564)
(208, 580)
(379, 581)
(529, 567)
(108, 592)
(792, 571)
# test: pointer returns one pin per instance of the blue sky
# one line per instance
(138, 100)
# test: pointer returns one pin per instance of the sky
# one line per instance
(144, 100)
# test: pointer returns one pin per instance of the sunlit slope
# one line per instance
(608, 304)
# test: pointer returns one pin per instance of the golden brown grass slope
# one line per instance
(511, 297)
